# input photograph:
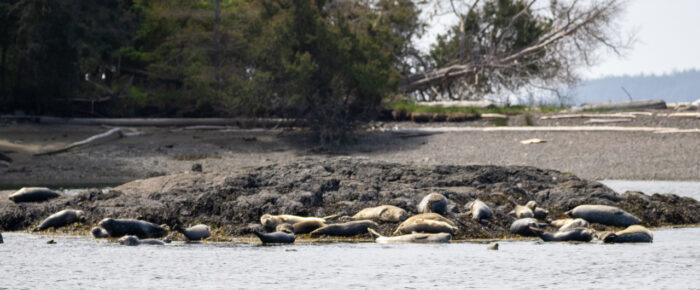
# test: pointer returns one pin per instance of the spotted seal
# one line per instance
(135, 241)
(61, 219)
(142, 229)
(347, 229)
(99, 233)
(433, 202)
(33, 194)
(425, 226)
(524, 227)
(604, 214)
(270, 222)
(384, 213)
(411, 238)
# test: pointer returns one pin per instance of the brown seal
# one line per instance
(425, 226)
(384, 213)
(348, 229)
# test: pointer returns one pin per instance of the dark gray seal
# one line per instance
(576, 234)
(275, 237)
(632, 234)
(99, 233)
(433, 202)
(540, 213)
(135, 241)
(303, 227)
(33, 194)
(524, 227)
(1, 241)
(61, 219)
(411, 238)
(348, 229)
(604, 214)
(142, 229)
(195, 233)
(478, 209)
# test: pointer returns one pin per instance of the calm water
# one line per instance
(682, 188)
(672, 261)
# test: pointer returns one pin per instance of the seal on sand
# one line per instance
(142, 229)
(135, 241)
(425, 226)
(348, 229)
(632, 234)
(275, 238)
(33, 194)
(433, 202)
(478, 209)
(61, 219)
(604, 214)
(411, 238)
(195, 233)
(384, 213)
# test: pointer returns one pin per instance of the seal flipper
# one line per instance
(374, 233)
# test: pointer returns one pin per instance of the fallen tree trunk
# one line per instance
(574, 116)
(632, 105)
(164, 122)
(114, 132)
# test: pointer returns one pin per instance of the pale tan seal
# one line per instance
(433, 202)
(271, 221)
(521, 211)
(429, 216)
(411, 238)
(425, 226)
(384, 213)
(478, 210)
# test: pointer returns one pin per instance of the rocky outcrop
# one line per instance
(340, 186)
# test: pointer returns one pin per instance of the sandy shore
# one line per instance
(161, 151)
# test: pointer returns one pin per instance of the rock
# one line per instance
(196, 167)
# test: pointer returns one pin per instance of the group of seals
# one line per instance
(33, 194)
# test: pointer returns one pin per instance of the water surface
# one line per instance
(681, 188)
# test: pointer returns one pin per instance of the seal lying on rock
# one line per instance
(61, 219)
(99, 233)
(576, 234)
(142, 229)
(195, 233)
(632, 234)
(411, 238)
(478, 209)
(604, 214)
(135, 241)
(522, 211)
(428, 216)
(433, 202)
(425, 226)
(275, 238)
(540, 213)
(574, 223)
(33, 194)
(348, 229)
(271, 221)
(524, 227)
(301, 228)
(384, 213)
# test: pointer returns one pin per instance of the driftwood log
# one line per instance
(114, 133)
(632, 105)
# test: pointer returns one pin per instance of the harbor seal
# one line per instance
(433, 202)
(574, 223)
(1, 241)
(347, 229)
(540, 213)
(632, 234)
(195, 233)
(492, 246)
(604, 214)
(99, 233)
(135, 241)
(478, 210)
(425, 226)
(429, 216)
(304, 227)
(270, 222)
(33, 194)
(576, 234)
(384, 213)
(522, 211)
(524, 227)
(142, 229)
(275, 238)
(61, 219)
(411, 238)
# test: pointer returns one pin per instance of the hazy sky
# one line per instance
(668, 39)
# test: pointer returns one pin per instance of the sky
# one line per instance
(667, 34)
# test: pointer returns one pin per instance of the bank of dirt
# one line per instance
(234, 201)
